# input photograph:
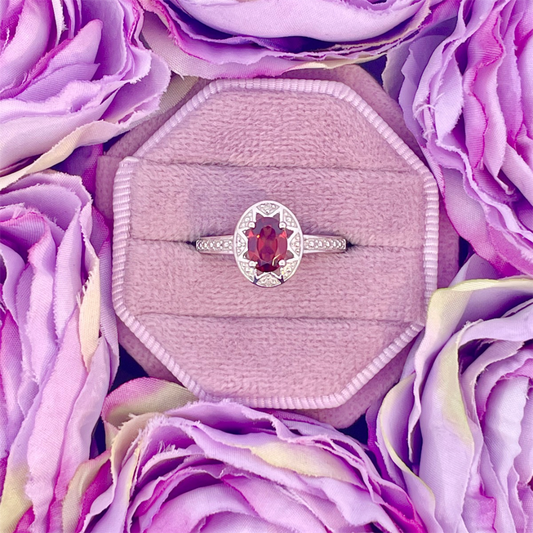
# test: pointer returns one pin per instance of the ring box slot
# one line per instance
(318, 148)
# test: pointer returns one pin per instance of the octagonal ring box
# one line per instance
(328, 340)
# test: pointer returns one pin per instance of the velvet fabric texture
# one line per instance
(340, 313)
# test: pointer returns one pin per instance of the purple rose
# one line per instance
(457, 430)
(231, 38)
(72, 73)
(466, 88)
(58, 343)
(196, 466)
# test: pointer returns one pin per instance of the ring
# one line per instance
(268, 244)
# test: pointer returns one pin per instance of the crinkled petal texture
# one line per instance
(231, 38)
(457, 431)
(58, 343)
(206, 467)
(466, 88)
(72, 73)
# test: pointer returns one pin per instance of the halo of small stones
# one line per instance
(294, 244)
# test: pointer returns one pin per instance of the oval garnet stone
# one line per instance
(267, 244)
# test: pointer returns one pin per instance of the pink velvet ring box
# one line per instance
(318, 342)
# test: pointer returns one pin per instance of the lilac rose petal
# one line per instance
(464, 84)
(224, 467)
(266, 37)
(83, 77)
(456, 431)
(58, 343)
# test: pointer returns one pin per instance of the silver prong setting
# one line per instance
(286, 267)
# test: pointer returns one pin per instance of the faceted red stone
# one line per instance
(267, 244)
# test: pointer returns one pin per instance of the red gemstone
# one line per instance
(267, 244)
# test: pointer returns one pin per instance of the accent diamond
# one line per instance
(247, 269)
(245, 222)
(241, 244)
(296, 244)
(267, 208)
(288, 269)
(289, 220)
(268, 280)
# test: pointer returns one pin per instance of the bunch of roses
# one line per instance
(465, 86)
(452, 440)
(58, 343)
(456, 431)
(264, 38)
(458, 67)
(227, 468)
(450, 447)
(72, 73)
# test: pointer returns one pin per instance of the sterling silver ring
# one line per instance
(268, 244)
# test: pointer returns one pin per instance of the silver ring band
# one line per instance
(223, 245)
(268, 244)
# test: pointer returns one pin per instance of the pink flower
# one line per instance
(176, 464)
(466, 88)
(215, 39)
(457, 431)
(72, 73)
(58, 345)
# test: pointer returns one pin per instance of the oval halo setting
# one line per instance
(268, 244)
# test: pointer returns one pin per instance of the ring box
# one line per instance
(331, 339)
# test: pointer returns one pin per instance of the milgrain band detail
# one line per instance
(324, 243)
(215, 245)
(223, 245)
